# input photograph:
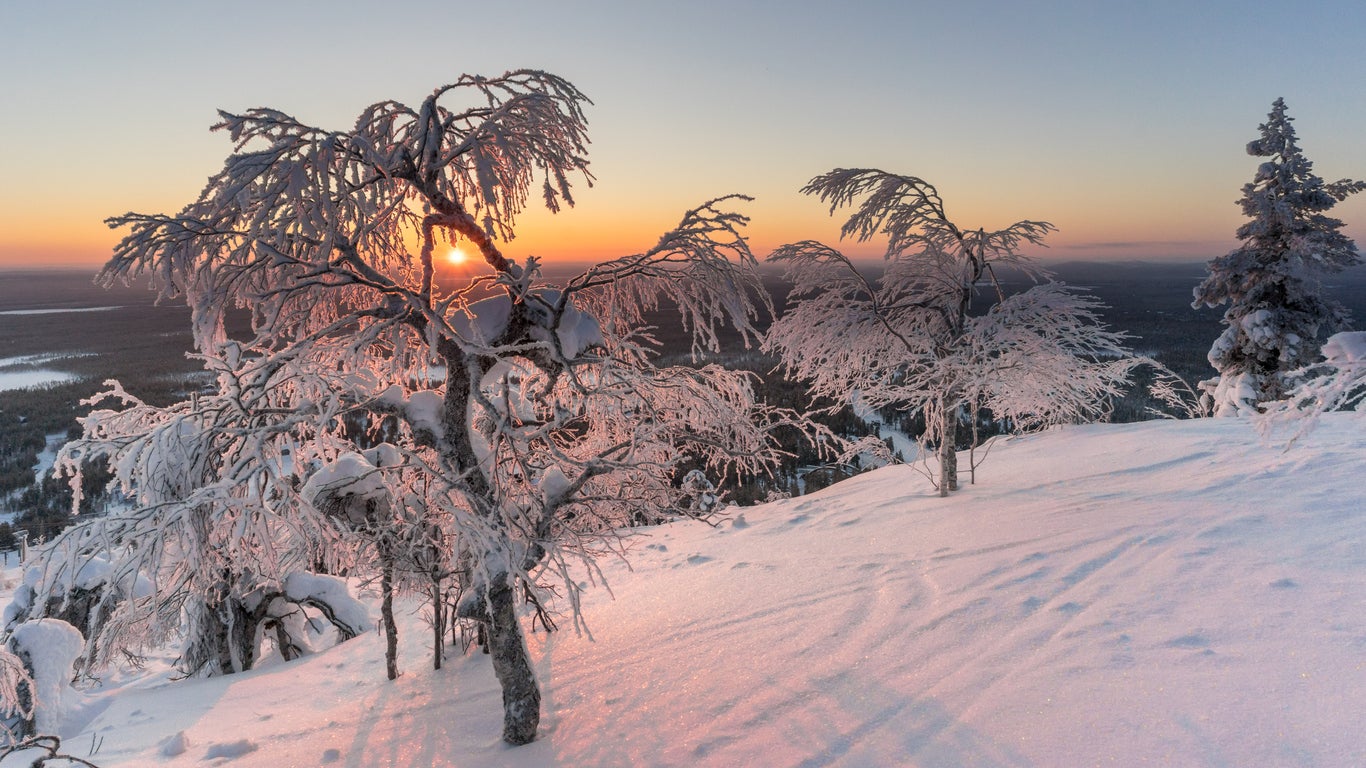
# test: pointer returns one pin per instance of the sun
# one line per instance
(456, 256)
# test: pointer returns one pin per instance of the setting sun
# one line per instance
(456, 257)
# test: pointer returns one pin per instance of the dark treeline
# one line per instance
(135, 341)
(145, 346)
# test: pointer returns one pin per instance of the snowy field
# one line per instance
(1150, 594)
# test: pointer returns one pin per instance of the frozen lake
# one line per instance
(33, 378)
(55, 311)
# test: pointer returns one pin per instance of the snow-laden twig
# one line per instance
(384, 417)
(914, 338)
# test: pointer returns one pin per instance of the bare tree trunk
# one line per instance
(386, 609)
(948, 451)
(512, 665)
(233, 628)
(222, 635)
(435, 560)
(438, 625)
(972, 447)
(458, 631)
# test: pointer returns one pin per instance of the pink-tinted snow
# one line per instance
(1172, 593)
(1346, 348)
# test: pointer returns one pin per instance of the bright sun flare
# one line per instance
(455, 256)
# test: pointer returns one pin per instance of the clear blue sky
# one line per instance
(1122, 123)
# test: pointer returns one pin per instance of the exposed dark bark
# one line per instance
(289, 648)
(373, 517)
(21, 723)
(512, 665)
(948, 452)
(386, 610)
(456, 447)
(86, 610)
(438, 626)
(224, 637)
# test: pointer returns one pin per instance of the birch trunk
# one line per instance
(948, 451)
(512, 665)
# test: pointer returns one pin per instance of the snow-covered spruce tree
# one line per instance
(920, 337)
(1272, 282)
(530, 420)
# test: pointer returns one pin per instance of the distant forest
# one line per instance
(145, 346)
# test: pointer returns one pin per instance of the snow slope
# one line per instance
(1166, 593)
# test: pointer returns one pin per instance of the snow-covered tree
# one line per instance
(45, 649)
(16, 697)
(1337, 383)
(212, 542)
(921, 335)
(1272, 283)
(527, 421)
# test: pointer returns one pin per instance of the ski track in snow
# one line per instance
(1151, 594)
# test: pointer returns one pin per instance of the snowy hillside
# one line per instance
(1149, 594)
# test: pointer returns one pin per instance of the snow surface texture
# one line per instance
(1165, 593)
(1346, 349)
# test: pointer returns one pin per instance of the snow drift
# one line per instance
(1170, 593)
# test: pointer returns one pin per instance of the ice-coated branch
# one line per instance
(910, 213)
(435, 432)
(911, 339)
(295, 204)
(1336, 384)
(704, 267)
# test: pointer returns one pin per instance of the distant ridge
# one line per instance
(1122, 264)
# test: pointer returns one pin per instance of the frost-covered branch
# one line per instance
(1336, 384)
(703, 267)
(296, 204)
(914, 337)
(483, 435)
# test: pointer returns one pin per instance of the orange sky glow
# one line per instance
(1117, 124)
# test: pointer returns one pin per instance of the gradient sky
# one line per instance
(1124, 124)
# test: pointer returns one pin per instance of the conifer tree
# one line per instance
(1272, 283)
